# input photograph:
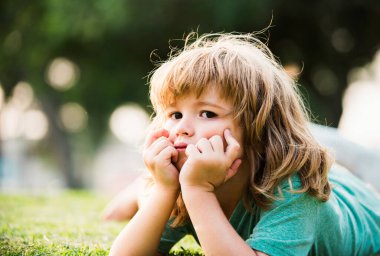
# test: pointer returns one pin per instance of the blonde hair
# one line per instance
(277, 141)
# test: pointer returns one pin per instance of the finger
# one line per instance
(191, 149)
(233, 169)
(233, 147)
(154, 135)
(151, 153)
(217, 143)
(169, 153)
(204, 145)
(158, 145)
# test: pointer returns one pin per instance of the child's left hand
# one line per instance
(208, 165)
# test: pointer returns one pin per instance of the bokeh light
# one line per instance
(22, 96)
(293, 70)
(20, 116)
(62, 74)
(325, 81)
(35, 124)
(1, 97)
(360, 120)
(129, 123)
(342, 40)
(10, 122)
(73, 117)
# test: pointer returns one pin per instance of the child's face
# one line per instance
(190, 118)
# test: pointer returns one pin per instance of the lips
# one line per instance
(181, 146)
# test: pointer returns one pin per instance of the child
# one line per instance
(234, 164)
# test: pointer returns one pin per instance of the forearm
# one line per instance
(216, 235)
(142, 234)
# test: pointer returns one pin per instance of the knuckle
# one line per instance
(146, 157)
(234, 151)
(160, 140)
(204, 140)
(238, 147)
(216, 138)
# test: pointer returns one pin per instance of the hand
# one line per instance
(159, 155)
(208, 165)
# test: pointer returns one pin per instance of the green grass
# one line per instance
(66, 224)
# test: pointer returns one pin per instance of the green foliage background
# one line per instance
(111, 41)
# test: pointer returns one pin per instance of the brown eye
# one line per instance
(176, 115)
(208, 114)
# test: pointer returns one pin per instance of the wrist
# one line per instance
(166, 190)
(194, 187)
(193, 192)
(196, 199)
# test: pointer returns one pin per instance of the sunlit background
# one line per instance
(73, 78)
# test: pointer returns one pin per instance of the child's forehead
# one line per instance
(199, 95)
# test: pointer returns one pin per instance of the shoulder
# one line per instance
(289, 191)
(292, 217)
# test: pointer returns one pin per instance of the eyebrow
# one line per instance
(207, 103)
(201, 104)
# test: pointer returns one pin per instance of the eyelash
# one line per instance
(172, 115)
(178, 115)
(209, 112)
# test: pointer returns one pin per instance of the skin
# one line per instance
(198, 152)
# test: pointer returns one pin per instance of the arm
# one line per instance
(208, 166)
(125, 204)
(142, 234)
(214, 231)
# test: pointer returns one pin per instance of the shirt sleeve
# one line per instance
(289, 227)
(171, 236)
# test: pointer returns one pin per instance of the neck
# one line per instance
(230, 193)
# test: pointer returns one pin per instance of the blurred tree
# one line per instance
(328, 39)
(111, 43)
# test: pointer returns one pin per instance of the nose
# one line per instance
(185, 126)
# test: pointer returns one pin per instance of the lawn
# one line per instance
(65, 224)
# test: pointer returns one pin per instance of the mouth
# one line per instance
(181, 146)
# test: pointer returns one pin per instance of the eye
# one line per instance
(176, 115)
(208, 114)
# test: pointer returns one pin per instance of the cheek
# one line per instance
(212, 131)
(169, 127)
(217, 130)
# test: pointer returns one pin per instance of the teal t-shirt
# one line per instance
(347, 224)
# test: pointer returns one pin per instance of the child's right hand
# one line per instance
(159, 155)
